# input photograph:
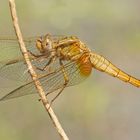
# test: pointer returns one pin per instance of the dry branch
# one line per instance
(33, 73)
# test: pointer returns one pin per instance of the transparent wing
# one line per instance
(19, 71)
(10, 49)
(12, 67)
(11, 60)
(51, 81)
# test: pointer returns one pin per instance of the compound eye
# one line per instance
(39, 40)
(39, 45)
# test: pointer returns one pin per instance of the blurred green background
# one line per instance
(101, 108)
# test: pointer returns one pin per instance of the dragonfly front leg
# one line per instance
(52, 59)
(34, 56)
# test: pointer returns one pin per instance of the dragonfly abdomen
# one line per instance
(104, 65)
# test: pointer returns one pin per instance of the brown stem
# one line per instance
(33, 73)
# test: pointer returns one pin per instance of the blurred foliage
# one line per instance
(101, 108)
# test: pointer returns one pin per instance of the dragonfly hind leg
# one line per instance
(66, 81)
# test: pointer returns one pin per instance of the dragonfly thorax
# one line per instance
(72, 50)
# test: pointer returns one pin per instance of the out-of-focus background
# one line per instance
(102, 107)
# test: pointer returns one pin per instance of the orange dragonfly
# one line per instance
(59, 62)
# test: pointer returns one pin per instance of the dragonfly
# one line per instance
(59, 62)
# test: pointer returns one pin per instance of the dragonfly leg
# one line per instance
(66, 80)
(52, 59)
(34, 55)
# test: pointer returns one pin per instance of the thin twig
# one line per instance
(33, 73)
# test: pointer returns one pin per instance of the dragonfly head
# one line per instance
(44, 44)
